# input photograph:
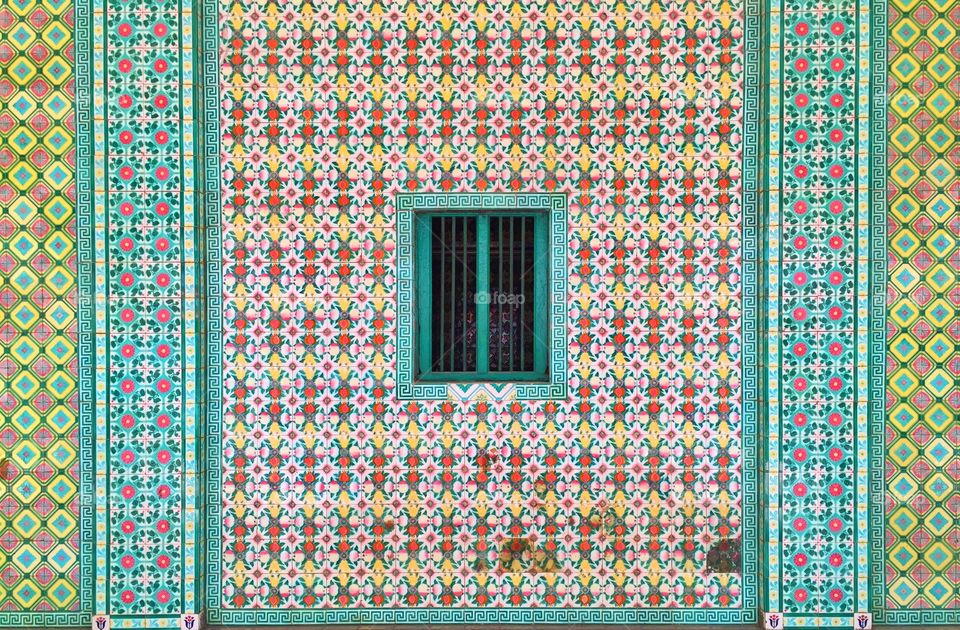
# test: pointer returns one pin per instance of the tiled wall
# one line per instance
(820, 256)
(338, 495)
(713, 195)
(137, 209)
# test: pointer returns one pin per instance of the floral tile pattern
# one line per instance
(142, 203)
(337, 495)
(818, 327)
(825, 281)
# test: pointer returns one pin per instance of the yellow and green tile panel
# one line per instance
(39, 466)
(923, 362)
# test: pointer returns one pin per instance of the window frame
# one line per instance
(424, 298)
(404, 379)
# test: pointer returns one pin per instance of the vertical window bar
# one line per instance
(424, 293)
(453, 289)
(511, 322)
(438, 362)
(541, 306)
(500, 290)
(483, 288)
(523, 305)
(463, 304)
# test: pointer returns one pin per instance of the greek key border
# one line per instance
(553, 203)
(753, 310)
(209, 305)
(876, 456)
(873, 433)
(427, 616)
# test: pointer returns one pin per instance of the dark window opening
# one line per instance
(482, 296)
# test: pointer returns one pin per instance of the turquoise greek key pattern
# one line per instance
(556, 206)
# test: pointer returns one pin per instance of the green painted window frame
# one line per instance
(424, 298)
(554, 206)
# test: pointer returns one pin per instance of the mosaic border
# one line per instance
(192, 194)
(770, 387)
(871, 290)
(918, 617)
(209, 295)
(210, 283)
(92, 234)
(484, 615)
(86, 307)
(753, 326)
(876, 456)
(877, 270)
(556, 205)
(160, 622)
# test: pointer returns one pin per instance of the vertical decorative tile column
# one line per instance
(919, 581)
(46, 478)
(143, 206)
(824, 280)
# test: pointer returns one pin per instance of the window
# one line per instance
(481, 300)
(481, 296)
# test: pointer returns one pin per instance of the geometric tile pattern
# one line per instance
(336, 495)
(923, 355)
(39, 436)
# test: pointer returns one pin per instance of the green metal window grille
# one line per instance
(482, 296)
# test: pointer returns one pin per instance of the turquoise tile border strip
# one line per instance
(873, 451)
(818, 621)
(192, 193)
(210, 277)
(87, 308)
(753, 325)
(95, 326)
(169, 622)
(206, 93)
(770, 393)
(97, 187)
(874, 30)
(556, 207)
(868, 235)
(756, 375)
(914, 617)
